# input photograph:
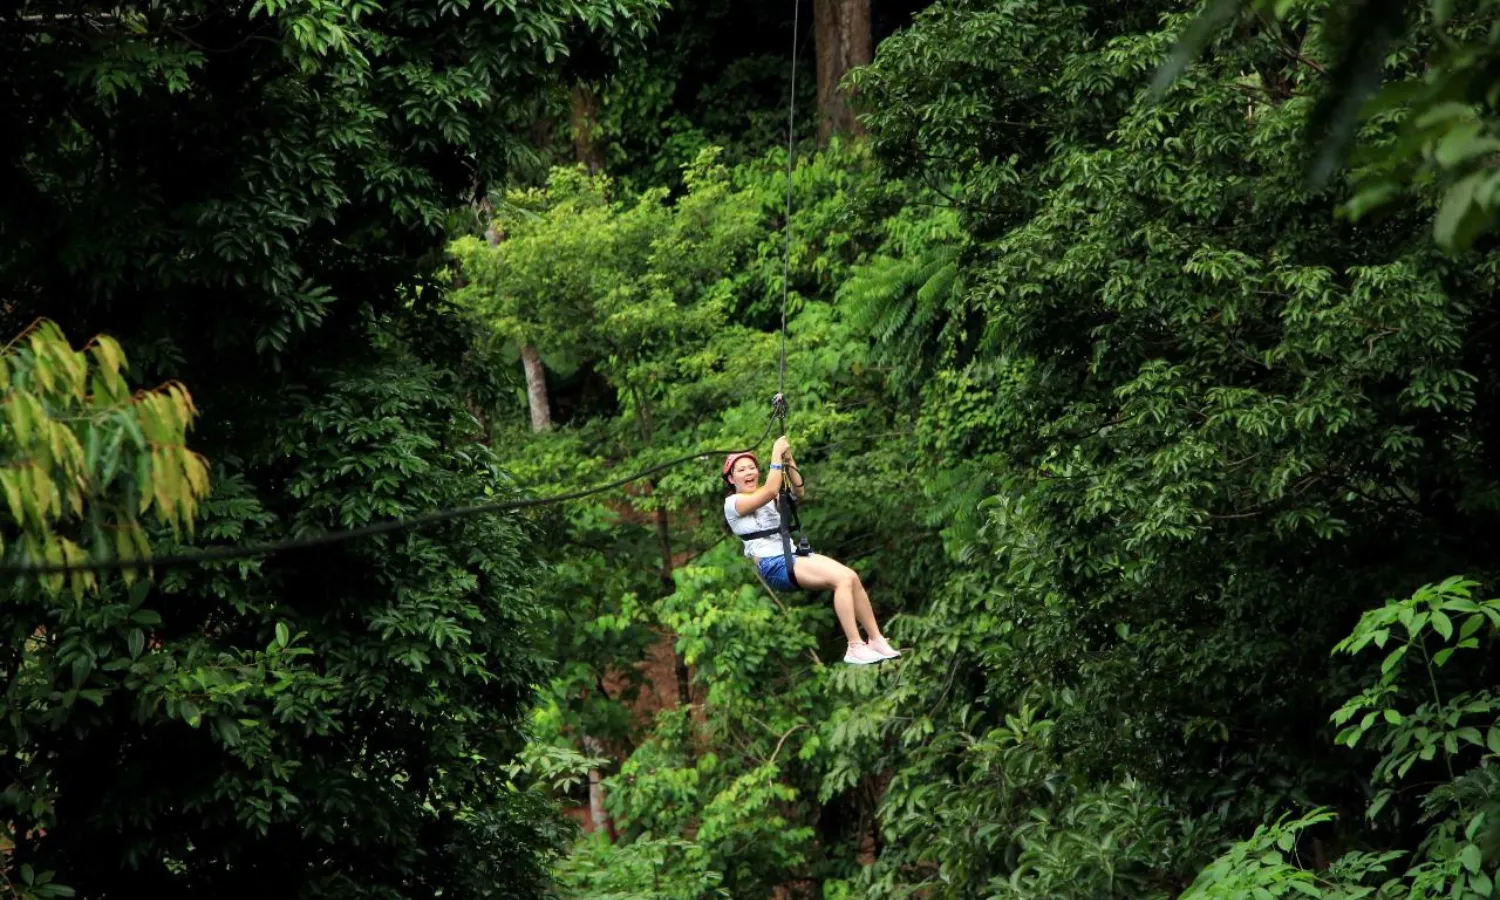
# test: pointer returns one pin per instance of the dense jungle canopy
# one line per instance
(1141, 357)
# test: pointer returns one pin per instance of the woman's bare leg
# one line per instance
(821, 573)
(864, 611)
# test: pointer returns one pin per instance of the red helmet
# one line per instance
(733, 458)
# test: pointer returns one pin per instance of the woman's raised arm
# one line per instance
(793, 473)
(744, 504)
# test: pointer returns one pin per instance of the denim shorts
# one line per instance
(773, 570)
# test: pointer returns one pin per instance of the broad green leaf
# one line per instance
(1459, 219)
(1442, 625)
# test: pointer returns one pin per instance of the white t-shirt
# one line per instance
(765, 517)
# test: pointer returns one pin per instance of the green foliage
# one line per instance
(290, 120)
(1422, 732)
(313, 735)
(1206, 420)
(1457, 856)
(608, 281)
(910, 289)
(1459, 851)
(713, 74)
(1444, 109)
(83, 457)
(1174, 424)
(1121, 424)
(1259, 867)
(252, 199)
(1152, 425)
(643, 869)
(669, 304)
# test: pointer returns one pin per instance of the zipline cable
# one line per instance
(786, 257)
(248, 551)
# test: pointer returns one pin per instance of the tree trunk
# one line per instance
(531, 362)
(598, 818)
(664, 537)
(536, 389)
(842, 32)
(587, 148)
(664, 541)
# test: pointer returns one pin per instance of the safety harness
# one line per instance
(786, 508)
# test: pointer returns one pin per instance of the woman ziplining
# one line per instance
(755, 514)
(765, 526)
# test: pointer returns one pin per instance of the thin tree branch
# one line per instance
(777, 751)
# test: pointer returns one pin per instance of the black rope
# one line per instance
(222, 554)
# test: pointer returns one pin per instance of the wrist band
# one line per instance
(776, 466)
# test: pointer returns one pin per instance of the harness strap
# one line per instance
(786, 509)
(786, 506)
(789, 511)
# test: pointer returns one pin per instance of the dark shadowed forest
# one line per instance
(1140, 358)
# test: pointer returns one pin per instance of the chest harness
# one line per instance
(786, 507)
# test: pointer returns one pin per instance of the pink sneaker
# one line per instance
(861, 655)
(886, 651)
